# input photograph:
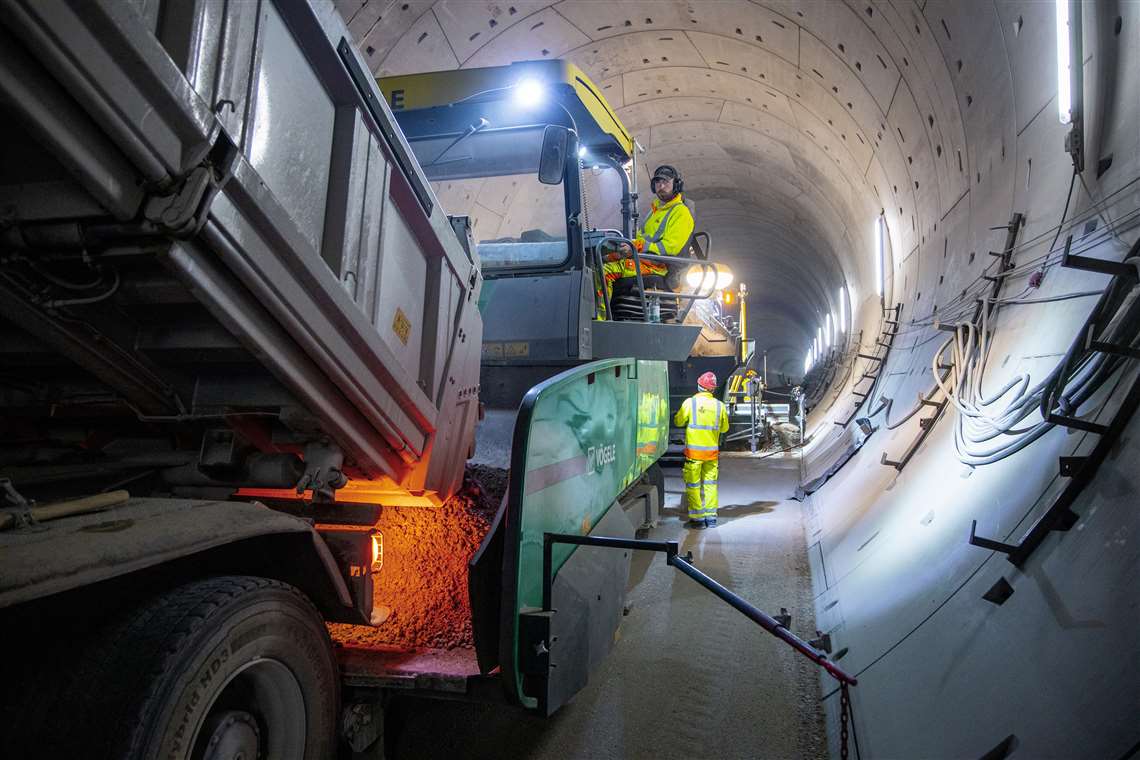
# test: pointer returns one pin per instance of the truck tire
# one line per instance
(234, 666)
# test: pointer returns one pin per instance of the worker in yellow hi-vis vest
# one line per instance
(704, 419)
(666, 232)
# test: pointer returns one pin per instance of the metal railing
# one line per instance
(708, 273)
(684, 564)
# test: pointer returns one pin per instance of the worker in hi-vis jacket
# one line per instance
(666, 232)
(704, 419)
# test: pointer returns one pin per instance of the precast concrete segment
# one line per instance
(689, 676)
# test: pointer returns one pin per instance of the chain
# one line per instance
(584, 181)
(844, 705)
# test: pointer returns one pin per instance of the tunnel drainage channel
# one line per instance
(684, 564)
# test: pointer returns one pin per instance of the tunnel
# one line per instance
(899, 183)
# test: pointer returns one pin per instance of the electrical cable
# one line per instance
(981, 421)
(950, 309)
(992, 427)
(1049, 299)
(55, 304)
(1096, 206)
(1065, 211)
(959, 307)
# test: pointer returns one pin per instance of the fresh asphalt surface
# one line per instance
(689, 676)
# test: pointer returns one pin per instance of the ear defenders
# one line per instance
(668, 172)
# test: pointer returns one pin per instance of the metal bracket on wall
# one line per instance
(1080, 470)
(925, 425)
(1112, 348)
(1089, 264)
(879, 360)
(1076, 423)
(822, 641)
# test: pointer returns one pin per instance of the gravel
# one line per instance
(423, 582)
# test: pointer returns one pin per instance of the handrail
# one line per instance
(637, 257)
(684, 564)
(671, 294)
(601, 275)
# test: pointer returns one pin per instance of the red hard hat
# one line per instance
(707, 381)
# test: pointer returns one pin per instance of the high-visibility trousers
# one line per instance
(612, 271)
(700, 487)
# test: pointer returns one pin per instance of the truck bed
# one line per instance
(199, 202)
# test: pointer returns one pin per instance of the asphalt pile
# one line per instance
(423, 582)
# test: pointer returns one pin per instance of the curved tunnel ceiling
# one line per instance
(793, 123)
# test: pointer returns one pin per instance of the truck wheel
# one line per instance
(222, 668)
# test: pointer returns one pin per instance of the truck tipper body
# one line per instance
(208, 241)
(236, 325)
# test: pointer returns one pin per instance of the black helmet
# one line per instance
(667, 172)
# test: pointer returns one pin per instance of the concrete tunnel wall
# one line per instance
(794, 124)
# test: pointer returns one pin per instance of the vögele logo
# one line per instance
(597, 457)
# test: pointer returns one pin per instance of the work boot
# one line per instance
(696, 524)
(710, 522)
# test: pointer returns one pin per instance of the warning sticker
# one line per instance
(401, 326)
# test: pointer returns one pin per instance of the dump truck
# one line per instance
(238, 328)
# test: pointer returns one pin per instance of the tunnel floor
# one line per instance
(689, 676)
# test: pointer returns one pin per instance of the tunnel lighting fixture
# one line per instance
(581, 151)
(842, 311)
(879, 245)
(807, 362)
(1064, 58)
(1071, 77)
(702, 277)
(830, 329)
(529, 93)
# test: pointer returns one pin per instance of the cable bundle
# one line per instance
(987, 428)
